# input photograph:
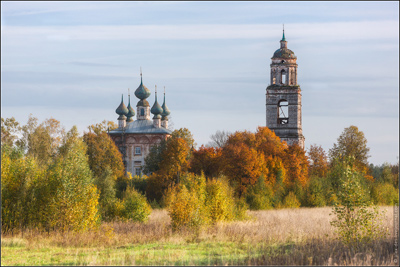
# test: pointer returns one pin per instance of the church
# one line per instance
(283, 97)
(134, 138)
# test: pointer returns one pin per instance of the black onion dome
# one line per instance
(122, 109)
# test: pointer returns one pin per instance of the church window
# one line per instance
(273, 80)
(283, 77)
(138, 171)
(137, 150)
(283, 112)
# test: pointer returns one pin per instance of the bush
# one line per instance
(135, 206)
(315, 193)
(385, 194)
(219, 201)
(356, 222)
(291, 201)
(184, 208)
(259, 196)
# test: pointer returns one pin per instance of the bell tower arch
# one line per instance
(283, 97)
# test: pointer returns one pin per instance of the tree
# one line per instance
(243, 165)
(206, 160)
(318, 161)
(296, 163)
(103, 127)
(9, 130)
(351, 143)
(103, 154)
(218, 140)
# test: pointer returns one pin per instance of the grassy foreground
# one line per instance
(275, 237)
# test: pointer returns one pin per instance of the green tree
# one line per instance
(351, 144)
(318, 161)
(356, 222)
(135, 206)
(103, 127)
(259, 196)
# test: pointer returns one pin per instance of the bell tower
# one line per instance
(284, 96)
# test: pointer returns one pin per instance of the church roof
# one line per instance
(142, 92)
(284, 53)
(122, 109)
(142, 127)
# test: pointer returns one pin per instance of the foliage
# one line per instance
(291, 201)
(105, 184)
(206, 160)
(103, 154)
(318, 161)
(184, 208)
(296, 163)
(259, 196)
(154, 158)
(243, 165)
(9, 130)
(135, 206)
(186, 135)
(356, 222)
(219, 202)
(315, 192)
(351, 144)
(103, 127)
(385, 194)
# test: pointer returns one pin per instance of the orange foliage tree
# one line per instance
(206, 160)
(242, 163)
(318, 161)
(296, 163)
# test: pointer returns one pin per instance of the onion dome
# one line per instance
(166, 111)
(131, 111)
(122, 110)
(142, 92)
(156, 109)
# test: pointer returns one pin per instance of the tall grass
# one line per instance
(274, 237)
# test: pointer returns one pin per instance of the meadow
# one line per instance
(300, 236)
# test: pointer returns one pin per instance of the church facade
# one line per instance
(134, 138)
(283, 96)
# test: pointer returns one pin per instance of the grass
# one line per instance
(275, 237)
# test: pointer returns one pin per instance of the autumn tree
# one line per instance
(9, 130)
(243, 165)
(296, 163)
(206, 160)
(318, 161)
(103, 127)
(351, 144)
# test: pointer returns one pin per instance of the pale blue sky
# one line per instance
(73, 60)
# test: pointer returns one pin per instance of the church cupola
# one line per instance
(122, 111)
(165, 113)
(143, 107)
(131, 111)
(284, 66)
(156, 110)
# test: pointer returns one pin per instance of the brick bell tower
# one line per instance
(284, 97)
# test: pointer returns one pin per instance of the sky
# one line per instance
(72, 61)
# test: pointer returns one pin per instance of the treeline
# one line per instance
(54, 179)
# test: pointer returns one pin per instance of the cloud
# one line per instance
(303, 32)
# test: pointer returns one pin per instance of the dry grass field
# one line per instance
(274, 237)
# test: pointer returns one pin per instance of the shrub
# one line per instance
(184, 208)
(219, 201)
(355, 221)
(385, 194)
(258, 196)
(291, 201)
(315, 193)
(135, 206)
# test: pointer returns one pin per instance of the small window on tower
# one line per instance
(142, 112)
(283, 77)
(274, 80)
(283, 112)
(137, 150)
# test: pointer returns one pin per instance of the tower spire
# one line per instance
(283, 36)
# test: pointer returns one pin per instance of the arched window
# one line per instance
(283, 112)
(283, 77)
